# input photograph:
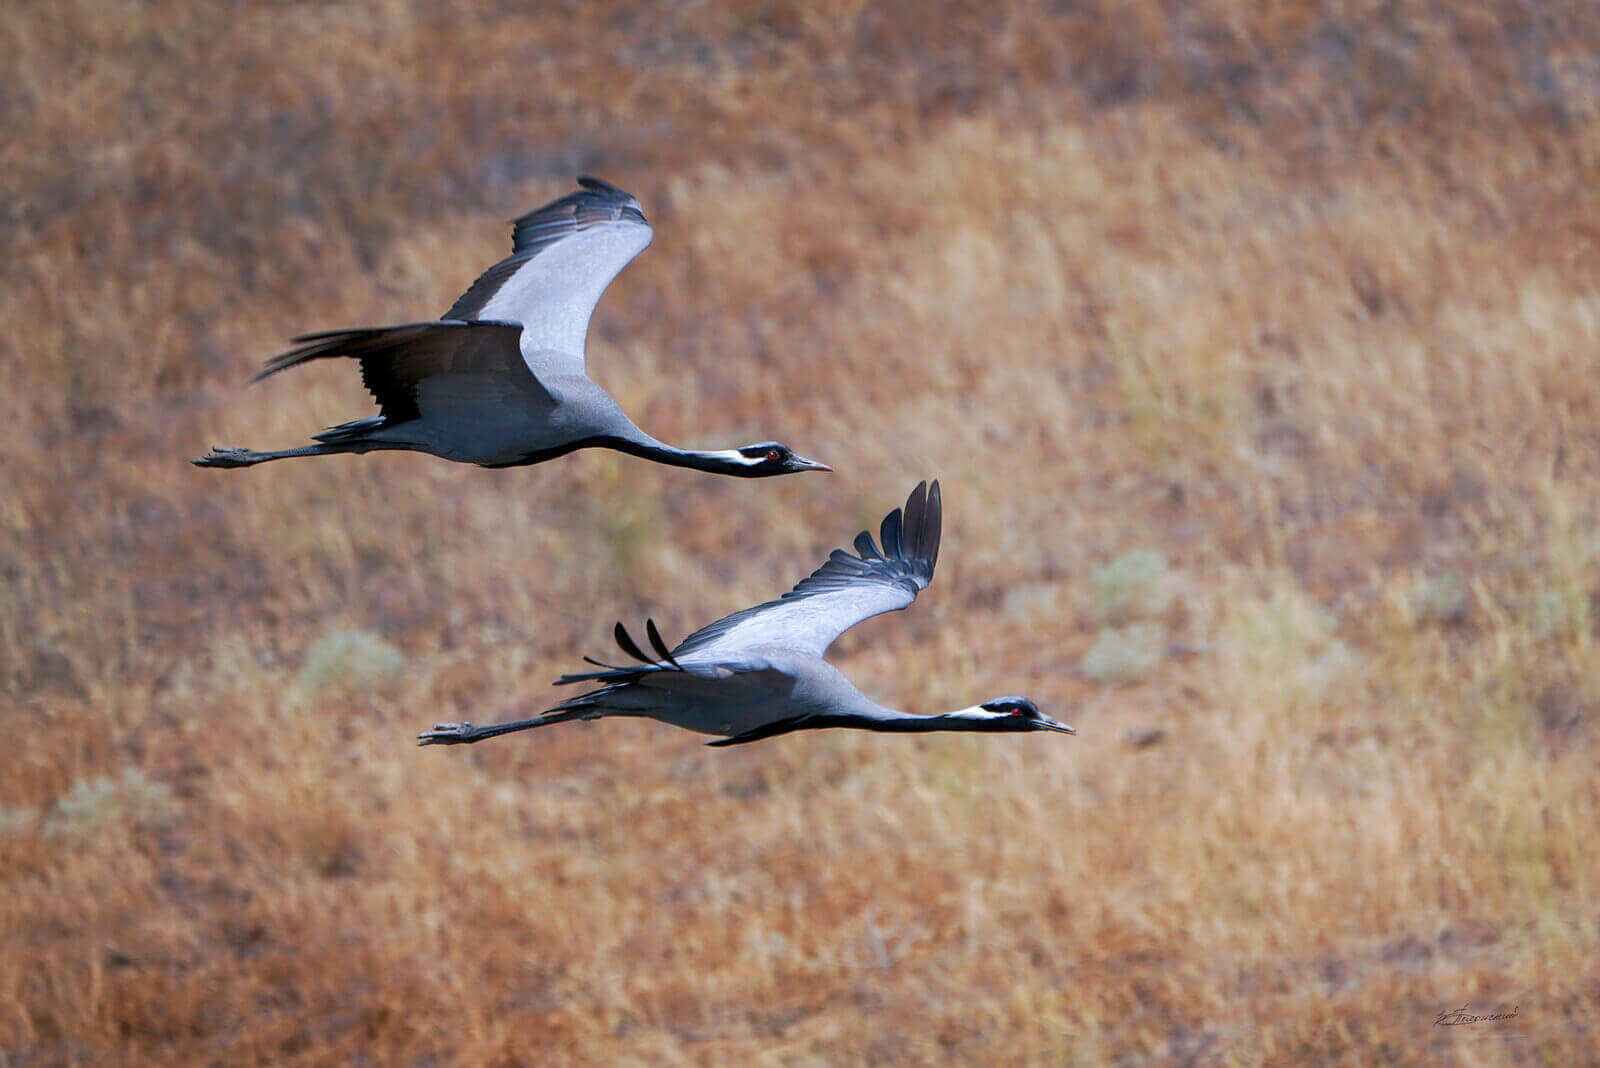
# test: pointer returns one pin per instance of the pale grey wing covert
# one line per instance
(563, 256)
(845, 590)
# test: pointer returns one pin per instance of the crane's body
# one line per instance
(761, 672)
(501, 379)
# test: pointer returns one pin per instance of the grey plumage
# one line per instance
(845, 590)
(501, 380)
(760, 672)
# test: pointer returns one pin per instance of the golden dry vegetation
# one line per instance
(1257, 348)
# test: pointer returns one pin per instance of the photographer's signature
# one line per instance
(1459, 1017)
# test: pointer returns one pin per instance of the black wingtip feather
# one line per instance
(932, 522)
(916, 511)
(889, 535)
(917, 518)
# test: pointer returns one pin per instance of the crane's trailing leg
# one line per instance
(232, 456)
(451, 734)
(464, 733)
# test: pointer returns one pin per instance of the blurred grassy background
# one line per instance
(1256, 349)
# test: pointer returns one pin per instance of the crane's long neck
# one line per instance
(1002, 715)
(716, 461)
(879, 718)
(869, 716)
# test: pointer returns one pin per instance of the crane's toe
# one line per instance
(224, 456)
(448, 734)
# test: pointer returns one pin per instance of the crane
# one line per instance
(500, 381)
(760, 672)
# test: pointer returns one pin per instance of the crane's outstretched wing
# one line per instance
(840, 593)
(416, 366)
(563, 256)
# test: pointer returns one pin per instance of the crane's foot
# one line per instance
(450, 734)
(227, 456)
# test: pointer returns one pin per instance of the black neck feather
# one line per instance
(663, 453)
(897, 722)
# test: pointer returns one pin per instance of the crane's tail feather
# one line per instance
(613, 676)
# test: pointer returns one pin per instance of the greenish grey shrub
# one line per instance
(1557, 613)
(1136, 585)
(1442, 599)
(98, 802)
(1125, 654)
(348, 660)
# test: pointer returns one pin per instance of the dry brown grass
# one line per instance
(1304, 297)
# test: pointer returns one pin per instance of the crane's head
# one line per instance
(774, 458)
(1015, 714)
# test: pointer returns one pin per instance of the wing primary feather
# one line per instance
(915, 515)
(889, 534)
(847, 588)
(933, 520)
(844, 559)
(629, 646)
(660, 646)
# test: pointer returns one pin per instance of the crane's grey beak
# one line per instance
(1052, 725)
(809, 465)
